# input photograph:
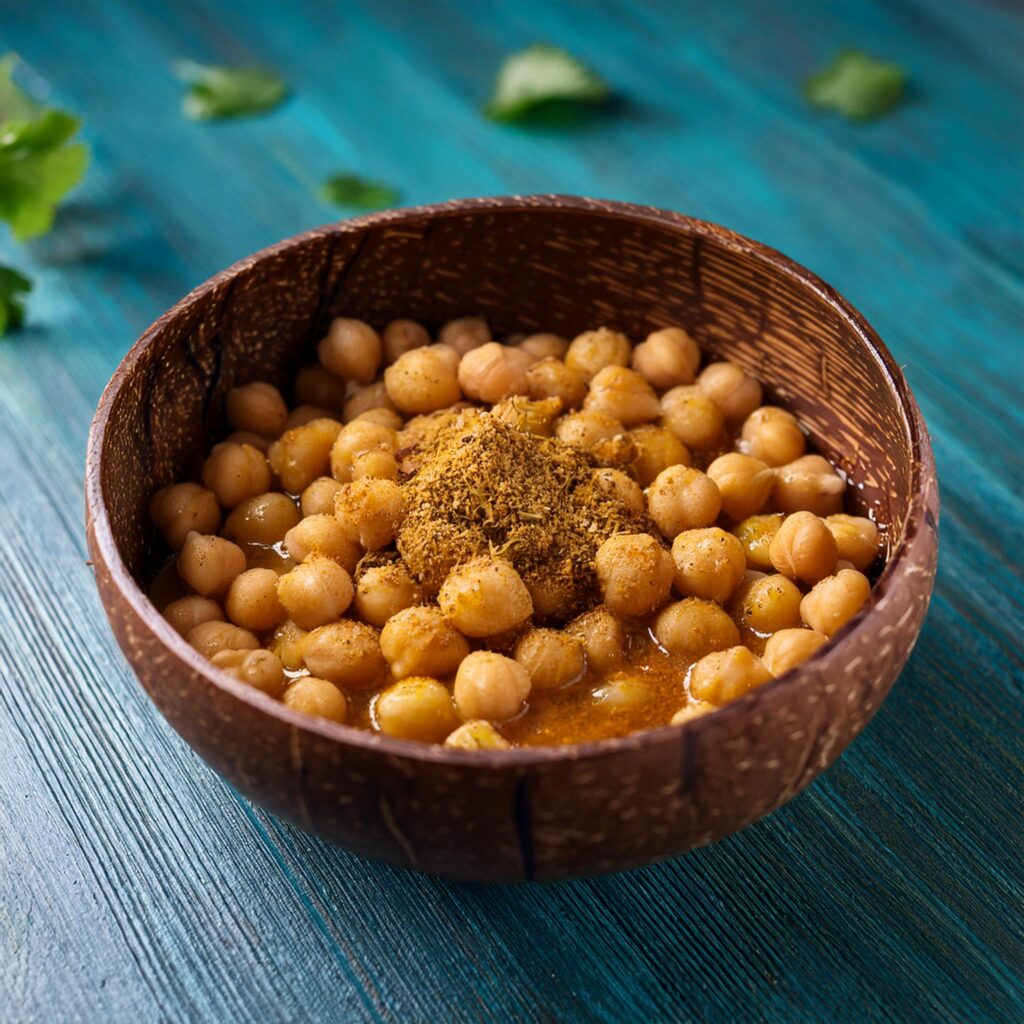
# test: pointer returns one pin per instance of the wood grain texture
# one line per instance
(138, 887)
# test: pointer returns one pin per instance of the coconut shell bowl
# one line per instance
(561, 264)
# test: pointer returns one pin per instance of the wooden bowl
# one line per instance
(525, 263)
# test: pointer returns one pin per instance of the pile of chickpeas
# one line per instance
(286, 575)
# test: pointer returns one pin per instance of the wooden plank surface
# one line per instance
(136, 886)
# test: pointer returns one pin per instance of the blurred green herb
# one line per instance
(38, 165)
(358, 193)
(215, 92)
(857, 85)
(539, 75)
(13, 289)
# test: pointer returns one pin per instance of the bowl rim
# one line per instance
(924, 494)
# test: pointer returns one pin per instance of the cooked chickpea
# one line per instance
(587, 429)
(553, 596)
(692, 417)
(401, 336)
(257, 441)
(346, 653)
(422, 381)
(318, 497)
(303, 415)
(808, 484)
(355, 439)
(624, 395)
(257, 407)
(732, 389)
(603, 637)
(181, 509)
(592, 351)
(187, 612)
(352, 350)
(263, 519)
(419, 641)
(451, 356)
(692, 628)
(709, 563)
(490, 686)
(695, 709)
(744, 483)
(787, 648)
(667, 358)
(235, 472)
(375, 465)
(484, 597)
(417, 708)
(372, 509)
(551, 658)
(269, 558)
(373, 397)
(545, 346)
(803, 548)
(317, 697)
(315, 593)
(383, 417)
(252, 601)
(551, 378)
(302, 454)
(260, 669)
(634, 572)
(385, 590)
(833, 601)
(208, 564)
(856, 539)
(622, 693)
(682, 498)
(724, 676)
(768, 604)
(321, 389)
(287, 642)
(755, 533)
(324, 536)
(493, 372)
(478, 735)
(621, 487)
(210, 638)
(465, 334)
(773, 436)
(656, 450)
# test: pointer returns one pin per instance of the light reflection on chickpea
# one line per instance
(355, 439)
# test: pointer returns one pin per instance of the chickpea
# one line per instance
(372, 509)
(667, 358)
(634, 572)
(208, 564)
(385, 590)
(375, 465)
(788, 647)
(383, 417)
(724, 676)
(587, 429)
(252, 601)
(692, 417)
(692, 628)
(316, 697)
(418, 641)
(324, 536)
(695, 709)
(303, 415)
(235, 472)
(352, 350)
(417, 708)
(367, 399)
(656, 450)
(768, 604)
(257, 407)
(209, 638)
(355, 439)
(257, 441)
(484, 597)
(553, 595)
(451, 356)
(709, 563)
(302, 454)
(594, 350)
(190, 611)
(401, 336)
(465, 334)
(551, 378)
(603, 637)
(773, 436)
(421, 381)
(681, 499)
(621, 487)
(316, 592)
(809, 484)
(545, 346)
(732, 389)
(259, 669)
(287, 642)
(744, 483)
(268, 558)
(346, 653)
(833, 601)
(623, 394)
(551, 658)
(315, 386)
(182, 509)
(493, 372)
(755, 533)
(490, 686)
(478, 735)
(803, 548)
(167, 586)
(263, 519)
(622, 693)
(856, 539)
(318, 497)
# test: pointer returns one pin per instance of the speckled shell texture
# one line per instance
(540, 262)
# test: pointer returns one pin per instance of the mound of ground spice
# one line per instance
(483, 486)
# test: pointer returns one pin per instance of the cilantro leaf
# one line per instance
(38, 163)
(216, 92)
(13, 289)
(538, 75)
(857, 85)
(358, 193)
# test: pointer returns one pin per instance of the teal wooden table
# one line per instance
(136, 886)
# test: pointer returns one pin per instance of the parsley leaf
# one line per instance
(857, 85)
(38, 164)
(217, 92)
(358, 193)
(13, 289)
(538, 75)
